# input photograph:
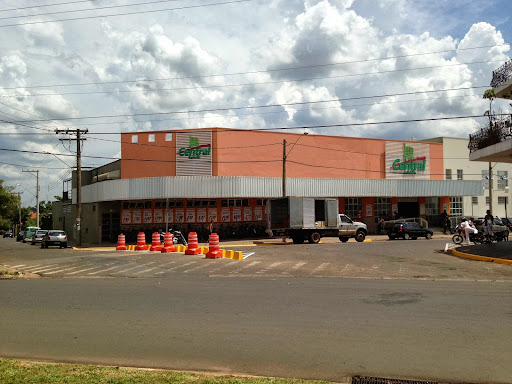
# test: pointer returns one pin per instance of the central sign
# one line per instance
(194, 151)
(410, 164)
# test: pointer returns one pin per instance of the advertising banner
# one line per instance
(158, 216)
(148, 216)
(170, 216)
(258, 214)
(212, 214)
(237, 214)
(191, 215)
(201, 215)
(136, 216)
(247, 214)
(180, 215)
(225, 215)
(407, 160)
(127, 217)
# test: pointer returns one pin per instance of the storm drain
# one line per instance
(383, 380)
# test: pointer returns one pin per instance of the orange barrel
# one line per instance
(141, 242)
(214, 247)
(155, 242)
(193, 245)
(121, 243)
(168, 243)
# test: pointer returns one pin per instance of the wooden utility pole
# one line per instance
(37, 192)
(78, 139)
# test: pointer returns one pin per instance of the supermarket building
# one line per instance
(192, 177)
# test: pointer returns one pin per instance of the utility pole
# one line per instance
(284, 167)
(37, 192)
(490, 187)
(77, 132)
(19, 209)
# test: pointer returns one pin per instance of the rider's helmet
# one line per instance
(464, 219)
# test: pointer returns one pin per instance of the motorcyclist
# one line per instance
(468, 228)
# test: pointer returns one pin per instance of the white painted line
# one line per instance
(33, 266)
(65, 269)
(17, 266)
(271, 266)
(108, 269)
(321, 267)
(82, 270)
(248, 255)
(137, 266)
(198, 267)
(183, 265)
(47, 268)
(146, 270)
(295, 267)
(246, 266)
(164, 265)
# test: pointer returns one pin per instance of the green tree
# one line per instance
(8, 206)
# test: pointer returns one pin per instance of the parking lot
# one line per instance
(380, 259)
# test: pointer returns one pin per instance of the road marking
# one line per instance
(65, 269)
(108, 269)
(179, 266)
(271, 266)
(245, 267)
(294, 268)
(17, 266)
(146, 270)
(48, 267)
(82, 270)
(198, 267)
(248, 255)
(137, 266)
(321, 267)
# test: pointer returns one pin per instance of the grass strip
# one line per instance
(15, 372)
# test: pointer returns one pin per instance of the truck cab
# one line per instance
(349, 228)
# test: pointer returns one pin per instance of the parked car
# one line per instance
(507, 222)
(20, 235)
(29, 232)
(408, 230)
(55, 237)
(7, 234)
(38, 236)
(499, 229)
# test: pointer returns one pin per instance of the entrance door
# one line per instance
(110, 227)
(408, 209)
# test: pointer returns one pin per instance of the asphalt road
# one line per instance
(292, 327)
(400, 309)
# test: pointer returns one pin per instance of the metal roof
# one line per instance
(270, 187)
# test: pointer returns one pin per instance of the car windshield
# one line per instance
(41, 232)
(57, 233)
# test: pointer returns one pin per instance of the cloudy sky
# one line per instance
(131, 65)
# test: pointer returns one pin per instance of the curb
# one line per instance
(481, 258)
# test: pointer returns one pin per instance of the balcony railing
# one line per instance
(502, 74)
(498, 131)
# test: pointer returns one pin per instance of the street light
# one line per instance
(19, 208)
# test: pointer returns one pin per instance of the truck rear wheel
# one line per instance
(314, 237)
(360, 236)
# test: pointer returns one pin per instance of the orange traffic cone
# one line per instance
(121, 243)
(193, 245)
(214, 247)
(168, 244)
(155, 242)
(141, 242)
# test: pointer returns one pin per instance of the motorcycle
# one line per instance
(460, 236)
(177, 237)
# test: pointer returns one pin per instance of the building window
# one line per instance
(474, 200)
(448, 174)
(502, 199)
(353, 205)
(382, 206)
(168, 137)
(485, 178)
(487, 200)
(151, 138)
(135, 139)
(94, 208)
(502, 179)
(456, 206)
(432, 208)
(260, 202)
(459, 174)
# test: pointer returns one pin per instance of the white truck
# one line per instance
(308, 218)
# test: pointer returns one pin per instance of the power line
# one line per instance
(126, 13)
(145, 90)
(84, 10)
(255, 71)
(44, 5)
(247, 107)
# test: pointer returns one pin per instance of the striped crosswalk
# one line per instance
(161, 266)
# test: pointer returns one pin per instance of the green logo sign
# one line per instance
(410, 164)
(195, 150)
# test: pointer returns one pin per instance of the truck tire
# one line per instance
(360, 236)
(314, 238)
(343, 239)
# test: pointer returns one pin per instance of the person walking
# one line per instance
(444, 220)
(488, 221)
